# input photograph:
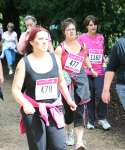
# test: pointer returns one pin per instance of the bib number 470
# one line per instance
(46, 89)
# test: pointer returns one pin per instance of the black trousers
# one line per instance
(41, 137)
(96, 106)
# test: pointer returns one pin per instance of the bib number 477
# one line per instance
(74, 63)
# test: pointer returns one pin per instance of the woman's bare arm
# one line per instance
(63, 87)
(17, 87)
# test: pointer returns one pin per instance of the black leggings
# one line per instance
(41, 137)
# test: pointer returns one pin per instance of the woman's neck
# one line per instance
(70, 41)
(38, 53)
(72, 46)
(91, 34)
(9, 32)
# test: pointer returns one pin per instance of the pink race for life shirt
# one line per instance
(95, 46)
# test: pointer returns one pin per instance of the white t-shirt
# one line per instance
(9, 40)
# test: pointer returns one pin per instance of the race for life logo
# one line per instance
(46, 89)
(74, 63)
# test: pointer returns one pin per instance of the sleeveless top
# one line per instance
(65, 55)
(79, 81)
(31, 76)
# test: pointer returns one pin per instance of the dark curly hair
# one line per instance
(66, 23)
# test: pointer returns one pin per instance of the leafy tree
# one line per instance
(110, 13)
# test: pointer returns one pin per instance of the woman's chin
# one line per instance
(44, 50)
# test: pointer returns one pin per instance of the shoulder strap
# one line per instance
(62, 46)
(54, 60)
(27, 64)
(84, 49)
(83, 45)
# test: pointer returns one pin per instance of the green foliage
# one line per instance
(110, 13)
(2, 4)
(22, 24)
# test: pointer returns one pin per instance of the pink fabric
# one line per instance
(22, 42)
(95, 45)
(55, 112)
(65, 54)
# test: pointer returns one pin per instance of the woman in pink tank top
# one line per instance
(95, 44)
(73, 56)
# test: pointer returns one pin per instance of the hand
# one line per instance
(28, 30)
(28, 108)
(94, 73)
(106, 96)
(72, 105)
(27, 35)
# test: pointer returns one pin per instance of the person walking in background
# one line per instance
(95, 46)
(1, 32)
(30, 21)
(73, 57)
(116, 65)
(1, 76)
(42, 111)
(9, 46)
(1, 68)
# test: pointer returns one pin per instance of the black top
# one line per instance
(117, 60)
(31, 76)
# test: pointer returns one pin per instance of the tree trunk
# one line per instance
(10, 14)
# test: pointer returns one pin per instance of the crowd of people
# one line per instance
(61, 91)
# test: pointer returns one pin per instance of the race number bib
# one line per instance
(46, 89)
(95, 57)
(74, 63)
